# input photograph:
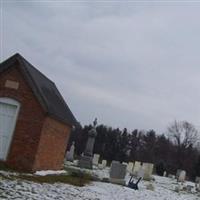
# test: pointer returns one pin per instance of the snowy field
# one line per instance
(25, 190)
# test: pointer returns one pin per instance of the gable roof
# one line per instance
(44, 89)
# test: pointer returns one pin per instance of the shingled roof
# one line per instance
(44, 89)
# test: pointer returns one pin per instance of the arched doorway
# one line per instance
(9, 109)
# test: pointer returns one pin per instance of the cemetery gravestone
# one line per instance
(91, 139)
(96, 159)
(75, 162)
(68, 156)
(178, 173)
(70, 153)
(197, 180)
(130, 167)
(165, 174)
(100, 166)
(86, 160)
(104, 163)
(117, 173)
(198, 188)
(148, 170)
(182, 176)
(197, 183)
(136, 168)
(124, 163)
(140, 173)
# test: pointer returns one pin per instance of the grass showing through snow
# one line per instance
(73, 178)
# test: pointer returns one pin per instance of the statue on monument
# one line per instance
(95, 123)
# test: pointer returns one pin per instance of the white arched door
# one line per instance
(8, 116)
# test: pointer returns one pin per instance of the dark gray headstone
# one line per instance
(117, 170)
(85, 162)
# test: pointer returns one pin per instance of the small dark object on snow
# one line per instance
(133, 185)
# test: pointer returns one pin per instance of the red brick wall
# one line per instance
(29, 124)
(52, 146)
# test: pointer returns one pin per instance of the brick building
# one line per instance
(35, 121)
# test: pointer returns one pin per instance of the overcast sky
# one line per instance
(134, 65)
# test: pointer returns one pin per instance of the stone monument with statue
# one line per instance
(86, 160)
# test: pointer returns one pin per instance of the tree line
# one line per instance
(176, 149)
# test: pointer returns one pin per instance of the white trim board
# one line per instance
(16, 106)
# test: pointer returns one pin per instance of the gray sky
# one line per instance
(134, 65)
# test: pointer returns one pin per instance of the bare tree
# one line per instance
(183, 134)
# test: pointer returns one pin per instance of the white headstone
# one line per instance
(104, 163)
(148, 170)
(136, 168)
(140, 173)
(182, 176)
(178, 173)
(95, 160)
(75, 162)
(165, 174)
(70, 153)
(198, 188)
(100, 166)
(130, 167)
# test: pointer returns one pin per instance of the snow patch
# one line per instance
(50, 172)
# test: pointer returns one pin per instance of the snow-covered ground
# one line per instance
(49, 172)
(25, 190)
